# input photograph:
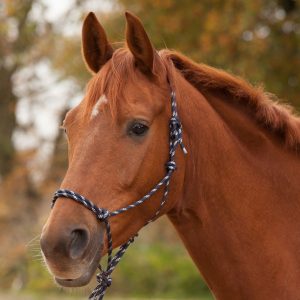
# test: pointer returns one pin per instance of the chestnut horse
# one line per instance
(234, 199)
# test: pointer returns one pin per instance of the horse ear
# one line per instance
(95, 47)
(139, 43)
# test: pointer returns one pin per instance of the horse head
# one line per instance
(118, 144)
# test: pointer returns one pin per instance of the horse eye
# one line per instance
(138, 129)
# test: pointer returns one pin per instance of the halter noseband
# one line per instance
(103, 278)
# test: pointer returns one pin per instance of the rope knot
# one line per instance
(171, 166)
(176, 133)
(104, 280)
(175, 126)
(102, 214)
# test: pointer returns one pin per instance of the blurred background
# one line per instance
(42, 75)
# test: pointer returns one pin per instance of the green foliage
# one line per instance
(158, 270)
(39, 277)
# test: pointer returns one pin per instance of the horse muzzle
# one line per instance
(71, 253)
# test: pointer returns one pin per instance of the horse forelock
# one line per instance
(113, 77)
(110, 82)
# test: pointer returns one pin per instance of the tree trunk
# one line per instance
(7, 122)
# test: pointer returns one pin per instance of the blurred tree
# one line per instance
(24, 36)
(21, 38)
(288, 5)
(258, 40)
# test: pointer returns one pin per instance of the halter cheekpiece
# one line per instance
(104, 277)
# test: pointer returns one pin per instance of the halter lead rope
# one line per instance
(104, 277)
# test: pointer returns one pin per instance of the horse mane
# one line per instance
(278, 118)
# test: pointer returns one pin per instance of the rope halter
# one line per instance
(104, 277)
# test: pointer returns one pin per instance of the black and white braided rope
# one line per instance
(104, 277)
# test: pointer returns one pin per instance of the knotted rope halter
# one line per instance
(104, 277)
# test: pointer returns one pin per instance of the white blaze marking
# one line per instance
(102, 100)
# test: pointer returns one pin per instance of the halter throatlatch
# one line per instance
(104, 277)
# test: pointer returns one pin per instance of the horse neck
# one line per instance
(236, 214)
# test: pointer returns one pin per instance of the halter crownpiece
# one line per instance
(104, 277)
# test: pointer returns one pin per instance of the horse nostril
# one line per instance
(78, 243)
